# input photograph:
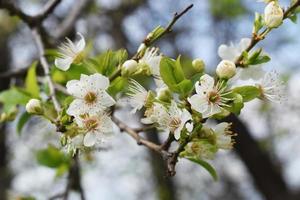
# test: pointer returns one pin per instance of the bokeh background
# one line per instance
(265, 162)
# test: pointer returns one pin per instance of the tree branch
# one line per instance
(257, 38)
(46, 67)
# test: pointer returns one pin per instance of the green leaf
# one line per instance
(248, 92)
(107, 63)
(22, 121)
(31, 83)
(51, 157)
(237, 103)
(206, 166)
(117, 85)
(173, 75)
(293, 18)
(13, 97)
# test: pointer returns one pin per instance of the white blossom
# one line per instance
(273, 15)
(70, 53)
(223, 135)
(232, 53)
(173, 119)
(151, 62)
(209, 98)
(90, 94)
(98, 128)
(138, 95)
(271, 87)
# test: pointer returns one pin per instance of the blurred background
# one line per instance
(265, 162)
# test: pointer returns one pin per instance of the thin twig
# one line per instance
(257, 38)
(14, 73)
(46, 67)
(140, 140)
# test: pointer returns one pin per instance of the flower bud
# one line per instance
(198, 65)
(226, 69)
(129, 67)
(273, 15)
(34, 106)
(164, 94)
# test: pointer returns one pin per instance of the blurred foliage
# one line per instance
(227, 9)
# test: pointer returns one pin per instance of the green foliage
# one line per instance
(258, 22)
(248, 92)
(237, 103)
(52, 157)
(31, 83)
(117, 85)
(22, 121)
(12, 97)
(227, 9)
(74, 72)
(107, 63)
(206, 166)
(155, 34)
(257, 57)
(173, 76)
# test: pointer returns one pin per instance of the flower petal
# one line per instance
(207, 82)
(80, 45)
(90, 139)
(198, 103)
(63, 63)
(76, 88)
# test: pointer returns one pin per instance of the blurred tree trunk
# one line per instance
(164, 185)
(4, 171)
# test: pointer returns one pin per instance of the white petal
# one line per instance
(76, 88)
(227, 53)
(90, 139)
(185, 116)
(63, 63)
(198, 103)
(177, 133)
(220, 128)
(76, 108)
(105, 99)
(80, 45)
(244, 43)
(106, 125)
(97, 81)
(189, 126)
(207, 82)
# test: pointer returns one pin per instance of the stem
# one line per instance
(257, 38)
(46, 67)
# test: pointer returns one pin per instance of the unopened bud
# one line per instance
(198, 65)
(226, 69)
(129, 67)
(273, 15)
(164, 94)
(34, 106)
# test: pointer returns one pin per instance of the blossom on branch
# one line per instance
(70, 53)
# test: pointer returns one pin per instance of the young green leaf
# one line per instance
(248, 92)
(31, 83)
(51, 157)
(206, 166)
(22, 121)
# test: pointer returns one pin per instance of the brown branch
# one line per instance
(46, 67)
(140, 140)
(32, 21)
(257, 38)
(14, 73)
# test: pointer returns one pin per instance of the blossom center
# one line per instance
(213, 96)
(174, 123)
(90, 98)
(78, 58)
(91, 123)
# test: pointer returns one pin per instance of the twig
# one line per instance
(140, 140)
(166, 145)
(32, 21)
(14, 73)
(46, 67)
(256, 38)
